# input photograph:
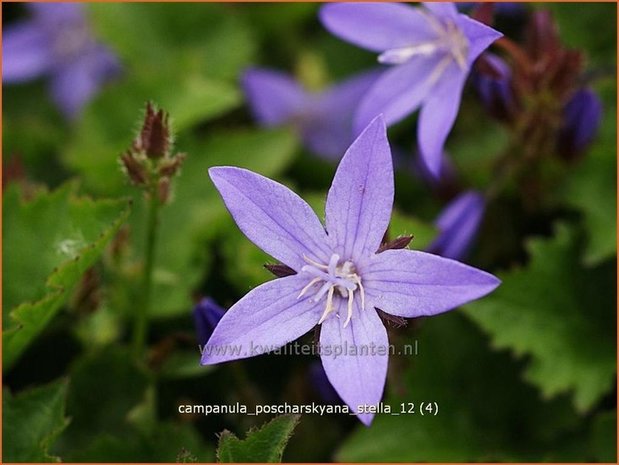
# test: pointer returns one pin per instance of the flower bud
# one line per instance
(136, 172)
(493, 82)
(581, 118)
(206, 315)
(154, 138)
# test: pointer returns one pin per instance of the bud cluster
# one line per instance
(150, 162)
(538, 90)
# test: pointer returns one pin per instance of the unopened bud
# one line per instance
(154, 138)
(163, 189)
(581, 118)
(170, 166)
(134, 169)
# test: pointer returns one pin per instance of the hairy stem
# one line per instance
(143, 311)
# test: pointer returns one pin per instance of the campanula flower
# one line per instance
(340, 278)
(57, 42)
(458, 224)
(581, 118)
(323, 120)
(430, 50)
(206, 315)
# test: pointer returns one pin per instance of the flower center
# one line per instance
(342, 278)
(450, 40)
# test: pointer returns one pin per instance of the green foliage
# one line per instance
(471, 384)
(262, 445)
(592, 187)
(604, 437)
(32, 420)
(55, 238)
(558, 313)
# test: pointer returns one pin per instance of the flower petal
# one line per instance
(55, 14)
(442, 9)
(409, 283)
(458, 224)
(26, 52)
(355, 357)
(360, 199)
(398, 92)
(272, 216)
(376, 26)
(479, 35)
(437, 117)
(268, 317)
(74, 84)
(275, 98)
(327, 128)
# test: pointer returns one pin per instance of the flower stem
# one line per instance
(143, 311)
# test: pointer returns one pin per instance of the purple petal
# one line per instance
(318, 379)
(360, 199)
(272, 216)
(442, 9)
(56, 13)
(26, 52)
(355, 357)
(479, 35)
(581, 119)
(75, 83)
(267, 318)
(273, 97)
(376, 26)
(458, 225)
(206, 316)
(327, 128)
(437, 117)
(409, 283)
(398, 92)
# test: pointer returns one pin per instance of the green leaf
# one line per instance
(604, 437)
(592, 186)
(32, 420)
(559, 314)
(55, 238)
(263, 445)
(475, 390)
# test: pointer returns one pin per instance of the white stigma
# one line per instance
(342, 278)
(449, 40)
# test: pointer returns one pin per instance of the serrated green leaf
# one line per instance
(475, 390)
(32, 420)
(559, 314)
(263, 445)
(54, 239)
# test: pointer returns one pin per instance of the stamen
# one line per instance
(334, 277)
(349, 314)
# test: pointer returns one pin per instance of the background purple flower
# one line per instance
(581, 118)
(340, 278)
(206, 315)
(458, 224)
(57, 41)
(494, 86)
(324, 120)
(431, 49)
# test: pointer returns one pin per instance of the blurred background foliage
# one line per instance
(526, 374)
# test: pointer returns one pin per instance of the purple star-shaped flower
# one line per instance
(57, 41)
(340, 278)
(323, 120)
(431, 49)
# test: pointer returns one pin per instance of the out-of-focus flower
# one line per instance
(493, 82)
(458, 224)
(340, 278)
(323, 120)
(581, 119)
(57, 42)
(320, 382)
(431, 49)
(516, 9)
(206, 315)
